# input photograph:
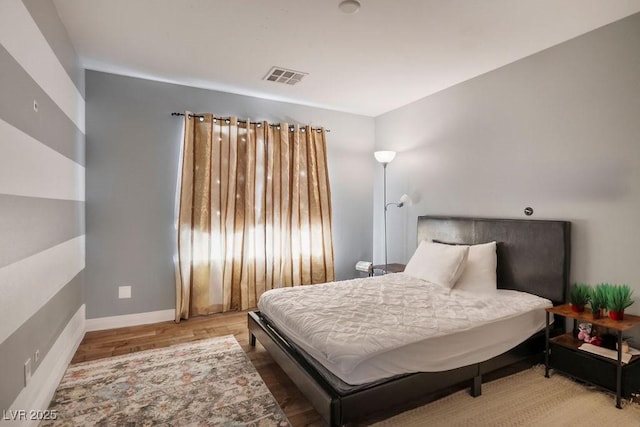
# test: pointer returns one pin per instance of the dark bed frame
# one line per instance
(533, 256)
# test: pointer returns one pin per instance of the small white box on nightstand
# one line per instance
(364, 266)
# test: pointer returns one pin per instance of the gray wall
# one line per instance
(41, 190)
(132, 159)
(558, 131)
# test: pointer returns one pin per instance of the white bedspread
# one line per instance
(345, 323)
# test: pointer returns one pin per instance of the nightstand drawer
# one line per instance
(593, 369)
(574, 363)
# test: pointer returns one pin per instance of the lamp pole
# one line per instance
(384, 166)
(385, 157)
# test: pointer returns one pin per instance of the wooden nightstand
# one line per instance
(391, 268)
(563, 354)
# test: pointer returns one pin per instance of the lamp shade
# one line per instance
(385, 156)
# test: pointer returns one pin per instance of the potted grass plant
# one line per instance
(598, 299)
(579, 297)
(618, 298)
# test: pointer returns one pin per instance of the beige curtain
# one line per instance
(254, 213)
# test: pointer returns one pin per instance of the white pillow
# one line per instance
(479, 273)
(437, 263)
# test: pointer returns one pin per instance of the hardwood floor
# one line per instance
(99, 344)
(113, 342)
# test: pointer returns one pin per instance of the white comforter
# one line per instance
(351, 321)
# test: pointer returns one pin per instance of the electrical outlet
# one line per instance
(36, 356)
(35, 105)
(124, 292)
(27, 372)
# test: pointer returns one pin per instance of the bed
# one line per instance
(532, 257)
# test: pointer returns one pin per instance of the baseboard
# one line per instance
(34, 399)
(113, 322)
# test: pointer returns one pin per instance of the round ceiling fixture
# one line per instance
(349, 6)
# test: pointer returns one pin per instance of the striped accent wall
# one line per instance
(42, 202)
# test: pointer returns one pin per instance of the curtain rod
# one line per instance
(259, 124)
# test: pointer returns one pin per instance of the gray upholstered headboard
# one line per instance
(533, 256)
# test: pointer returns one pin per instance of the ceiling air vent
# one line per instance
(284, 75)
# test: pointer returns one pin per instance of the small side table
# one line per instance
(562, 353)
(390, 268)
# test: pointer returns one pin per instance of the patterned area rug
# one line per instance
(524, 399)
(204, 383)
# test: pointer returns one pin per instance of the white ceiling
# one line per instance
(388, 54)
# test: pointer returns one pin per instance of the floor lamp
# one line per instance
(386, 157)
